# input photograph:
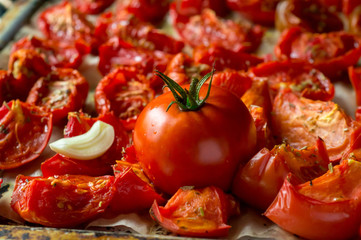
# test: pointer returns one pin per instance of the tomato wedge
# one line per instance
(62, 201)
(328, 207)
(25, 131)
(197, 212)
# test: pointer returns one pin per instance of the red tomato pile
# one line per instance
(262, 130)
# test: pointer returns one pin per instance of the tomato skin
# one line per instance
(259, 11)
(134, 192)
(63, 201)
(124, 92)
(91, 6)
(145, 10)
(307, 14)
(195, 7)
(194, 148)
(25, 132)
(331, 53)
(63, 90)
(327, 209)
(197, 212)
(54, 53)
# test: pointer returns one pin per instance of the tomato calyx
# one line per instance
(187, 100)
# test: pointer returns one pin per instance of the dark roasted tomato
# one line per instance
(300, 121)
(80, 123)
(330, 53)
(133, 190)
(200, 212)
(63, 90)
(258, 182)
(118, 53)
(6, 92)
(259, 11)
(224, 58)
(24, 133)
(126, 93)
(207, 29)
(64, 23)
(309, 15)
(327, 207)
(301, 77)
(145, 10)
(136, 32)
(26, 66)
(62, 201)
(195, 7)
(91, 6)
(55, 53)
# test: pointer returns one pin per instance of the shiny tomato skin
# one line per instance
(25, 131)
(194, 148)
(91, 6)
(326, 208)
(61, 201)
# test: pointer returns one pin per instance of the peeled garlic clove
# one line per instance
(89, 145)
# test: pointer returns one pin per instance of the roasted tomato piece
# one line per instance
(331, 53)
(145, 10)
(301, 77)
(136, 32)
(224, 58)
(91, 6)
(62, 201)
(24, 133)
(64, 23)
(116, 52)
(207, 29)
(55, 53)
(133, 190)
(355, 79)
(63, 90)
(26, 66)
(300, 121)
(234, 81)
(200, 212)
(259, 11)
(124, 92)
(309, 15)
(258, 182)
(327, 207)
(61, 165)
(6, 91)
(195, 7)
(354, 21)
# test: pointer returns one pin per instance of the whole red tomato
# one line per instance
(198, 148)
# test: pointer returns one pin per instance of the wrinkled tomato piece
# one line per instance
(133, 190)
(354, 74)
(118, 53)
(331, 53)
(91, 6)
(258, 182)
(24, 133)
(224, 58)
(63, 90)
(301, 77)
(197, 212)
(63, 23)
(195, 7)
(80, 123)
(207, 29)
(62, 201)
(124, 92)
(300, 121)
(326, 208)
(6, 91)
(54, 53)
(136, 32)
(145, 10)
(309, 15)
(26, 66)
(258, 11)
(234, 81)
